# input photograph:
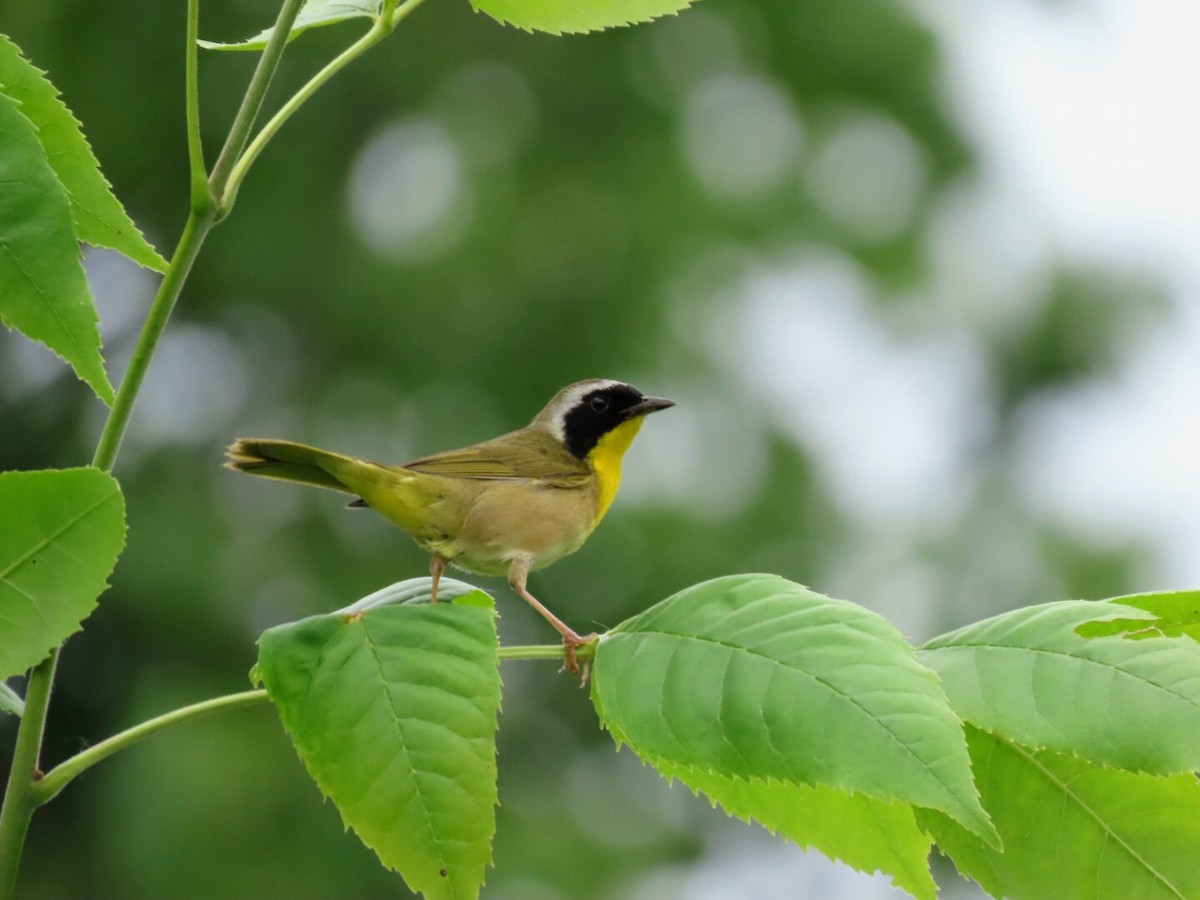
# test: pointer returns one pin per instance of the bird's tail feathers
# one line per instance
(288, 461)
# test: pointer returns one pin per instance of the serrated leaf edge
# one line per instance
(161, 264)
(657, 764)
(986, 819)
(533, 29)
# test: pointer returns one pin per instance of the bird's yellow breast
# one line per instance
(605, 460)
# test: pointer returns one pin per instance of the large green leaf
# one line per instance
(43, 291)
(753, 676)
(1027, 675)
(1172, 614)
(1074, 829)
(572, 16)
(99, 218)
(393, 711)
(863, 832)
(61, 532)
(313, 14)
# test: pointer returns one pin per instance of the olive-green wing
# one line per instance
(524, 455)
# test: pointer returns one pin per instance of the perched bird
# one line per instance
(508, 506)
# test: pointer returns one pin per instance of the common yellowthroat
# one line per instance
(508, 506)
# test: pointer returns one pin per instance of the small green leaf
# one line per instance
(99, 218)
(43, 291)
(313, 14)
(10, 701)
(393, 712)
(1074, 829)
(572, 17)
(1028, 676)
(755, 677)
(1172, 614)
(61, 532)
(867, 834)
(419, 590)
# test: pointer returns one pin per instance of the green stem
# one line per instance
(62, 774)
(26, 793)
(201, 199)
(256, 92)
(381, 28)
(210, 200)
(546, 651)
(19, 801)
(22, 794)
(48, 786)
(194, 232)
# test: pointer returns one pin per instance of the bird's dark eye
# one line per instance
(599, 404)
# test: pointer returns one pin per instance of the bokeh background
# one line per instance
(923, 277)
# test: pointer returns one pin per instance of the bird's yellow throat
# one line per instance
(605, 459)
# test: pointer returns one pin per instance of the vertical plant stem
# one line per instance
(238, 170)
(382, 27)
(211, 197)
(19, 799)
(201, 199)
(194, 232)
(243, 122)
(19, 803)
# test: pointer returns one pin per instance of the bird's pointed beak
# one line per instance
(649, 405)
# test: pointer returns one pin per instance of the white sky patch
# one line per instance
(1089, 109)
(1120, 461)
(890, 417)
(1086, 121)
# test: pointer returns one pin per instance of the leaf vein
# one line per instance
(904, 745)
(396, 717)
(1108, 832)
(1114, 669)
(51, 538)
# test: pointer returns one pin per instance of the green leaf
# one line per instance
(569, 16)
(10, 701)
(99, 218)
(1074, 829)
(755, 677)
(419, 590)
(1172, 614)
(43, 291)
(394, 713)
(1028, 676)
(61, 532)
(865, 833)
(313, 14)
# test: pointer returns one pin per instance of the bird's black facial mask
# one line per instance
(597, 413)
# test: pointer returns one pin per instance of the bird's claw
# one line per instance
(571, 643)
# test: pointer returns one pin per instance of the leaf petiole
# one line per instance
(546, 651)
(390, 16)
(47, 788)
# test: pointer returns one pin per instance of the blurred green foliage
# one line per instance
(579, 243)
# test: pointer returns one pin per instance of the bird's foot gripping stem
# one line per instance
(571, 643)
